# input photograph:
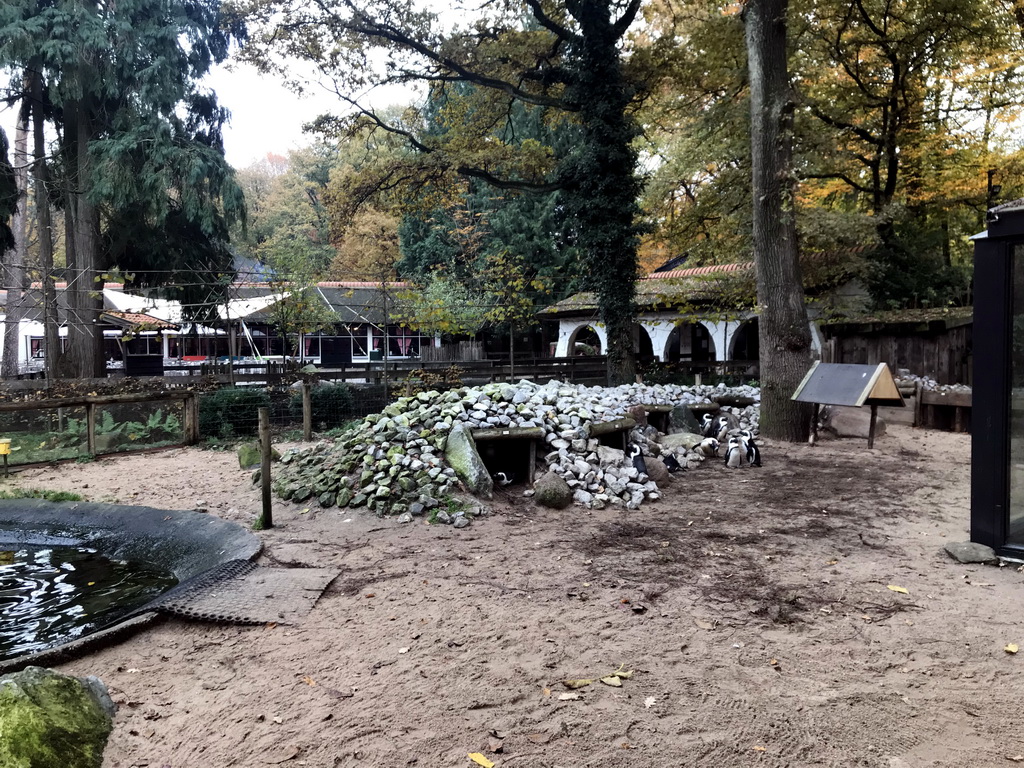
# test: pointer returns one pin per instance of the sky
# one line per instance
(265, 116)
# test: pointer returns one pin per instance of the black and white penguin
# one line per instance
(671, 464)
(707, 425)
(638, 459)
(709, 446)
(753, 452)
(735, 454)
(503, 478)
(722, 427)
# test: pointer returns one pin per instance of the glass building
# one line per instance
(997, 453)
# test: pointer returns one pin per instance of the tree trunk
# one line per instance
(600, 184)
(51, 332)
(14, 269)
(84, 285)
(785, 337)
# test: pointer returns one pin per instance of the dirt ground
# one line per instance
(752, 607)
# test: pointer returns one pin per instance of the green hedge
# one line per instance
(332, 405)
(231, 411)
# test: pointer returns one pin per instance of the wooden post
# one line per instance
(266, 518)
(815, 412)
(871, 428)
(307, 412)
(90, 427)
(191, 426)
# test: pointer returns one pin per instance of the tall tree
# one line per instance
(563, 56)
(138, 142)
(785, 336)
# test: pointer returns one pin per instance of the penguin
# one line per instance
(503, 478)
(753, 452)
(709, 446)
(707, 424)
(638, 459)
(722, 429)
(735, 454)
(671, 464)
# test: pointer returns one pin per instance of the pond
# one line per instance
(50, 595)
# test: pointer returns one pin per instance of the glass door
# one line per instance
(1015, 457)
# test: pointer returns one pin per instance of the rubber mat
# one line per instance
(240, 592)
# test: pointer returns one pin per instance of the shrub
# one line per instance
(231, 411)
(332, 405)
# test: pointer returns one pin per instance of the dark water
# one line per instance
(50, 595)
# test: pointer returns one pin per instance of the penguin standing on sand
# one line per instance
(753, 452)
(735, 454)
(638, 459)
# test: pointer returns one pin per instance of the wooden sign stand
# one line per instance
(846, 384)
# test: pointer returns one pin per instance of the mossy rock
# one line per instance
(50, 720)
(250, 455)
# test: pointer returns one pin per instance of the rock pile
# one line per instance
(906, 378)
(399, 462)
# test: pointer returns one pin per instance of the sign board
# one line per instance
(848, 384)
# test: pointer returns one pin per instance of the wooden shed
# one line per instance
(927, 342)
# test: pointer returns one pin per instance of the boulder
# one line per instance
(462, 456)
(609, 456)
(681, 419)
(679, 441)
(971, 552)
(249, 455)
(50, 720)
(852, 422)
(552, 491)
(657, 471)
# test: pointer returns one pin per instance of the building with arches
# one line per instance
(696, 315)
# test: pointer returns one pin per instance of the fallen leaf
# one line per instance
(479, 759)
(308, 680)
(773, 662)
(625, 675)
(1011, 648)
(581, 683)
(649, 702)
(1016, 758)
(760, 749)
(894, 588)
(494, 744)
(289, 753)
(704, 624)
(568, 696)
(371, 594)
(92, 583)
(547, 691)
(539, 738)
(612, 680)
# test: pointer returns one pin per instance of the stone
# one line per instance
(657, 471)
(405, 517)
(852, 422)
(582, 497)
(443, 517)
(326, 499)
(462, 456)
(460, 522)
(610, 456)
(552, 491)
(680, 441)
(971, 552)
(50, 720)
(681, 419)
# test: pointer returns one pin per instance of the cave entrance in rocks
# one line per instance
(613, 434)
(512, 451)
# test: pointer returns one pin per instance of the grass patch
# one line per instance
(39, 493)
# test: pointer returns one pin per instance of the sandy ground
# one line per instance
(752, 607)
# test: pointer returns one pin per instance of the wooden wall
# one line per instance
(943, 353)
